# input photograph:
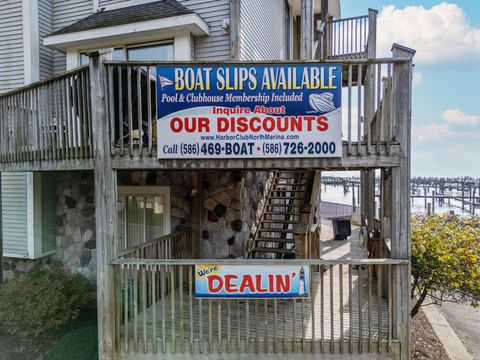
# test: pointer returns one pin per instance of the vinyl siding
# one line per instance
(261, 33)
(14, 214)
(216, 46)
(11, 45)
(45, 28)
(66, 12)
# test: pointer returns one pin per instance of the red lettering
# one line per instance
(270, 283)
(214, 283)
(242, 124)
(203, 124)
(229, 286)
(268, 124)
(256, 120)
(258, 282)
(282, 285)
(322, 123)
(309, 120)
(222, 124)
(247, 282)
(176, 125)
(296, 124)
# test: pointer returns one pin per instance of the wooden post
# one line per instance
(368, 176)
(433, 202)
(105, 211)
(306, 48)
(463, 193)
(372, 33)
(197, 215)
(1, 233)
(235, 30)
(400, 227)
(326, 30)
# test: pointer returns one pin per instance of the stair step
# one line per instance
(273, 221)
(284, 205)
(285, 197)
(290, 231)
(282, 213)
(279, 240)
(287, 190)
(272, 250)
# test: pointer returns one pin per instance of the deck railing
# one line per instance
(49, 120)
(156, 310)
(132, 112)
(348, 38)
(172, 246)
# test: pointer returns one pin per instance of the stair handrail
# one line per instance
(251, 241)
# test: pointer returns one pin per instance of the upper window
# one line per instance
(156, 52)
(146, 52)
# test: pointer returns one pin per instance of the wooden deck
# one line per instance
(343, 313)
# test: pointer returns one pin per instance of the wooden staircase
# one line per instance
(274, 237)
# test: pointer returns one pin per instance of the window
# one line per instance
(143, 214)
(29, 214)
(146, 52)
(156, 52)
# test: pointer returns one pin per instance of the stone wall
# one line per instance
(76, 243)
(232, 205)
(180, 183)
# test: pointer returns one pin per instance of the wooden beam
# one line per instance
(306, 46)
(1, 233)
(325, 15)
(235, 30)
(56, 165)
(400, 226)
(105, 211)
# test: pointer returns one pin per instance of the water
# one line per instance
(336, 194)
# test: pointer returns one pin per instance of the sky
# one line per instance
(446, 86)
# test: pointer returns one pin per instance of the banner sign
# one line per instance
(251, 281)
(249, 111)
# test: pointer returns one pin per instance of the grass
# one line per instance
(79, 344)
(77, 341)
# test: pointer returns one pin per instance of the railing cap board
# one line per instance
(44, 82)
(288, 62)
(270, 262)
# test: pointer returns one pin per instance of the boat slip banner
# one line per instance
(251, 281)
(249, 111)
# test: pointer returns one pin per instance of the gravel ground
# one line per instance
(425, 343)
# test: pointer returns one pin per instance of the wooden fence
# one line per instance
(50, 120)
(172, 246)
(348, 38)
(156, 310)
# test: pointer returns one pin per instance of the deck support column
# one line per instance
(1, 233)
(105, 211)
(367, 177)
(400, 226)
(306, 46)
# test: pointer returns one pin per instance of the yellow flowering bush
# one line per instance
(445, 259)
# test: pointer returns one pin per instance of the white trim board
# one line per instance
(192, 23)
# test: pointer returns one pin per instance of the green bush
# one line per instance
(36, 303)
(81, 344)
(445, 259)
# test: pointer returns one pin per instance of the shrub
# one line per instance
(41, 301)
(80, 344)
(445, 259)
